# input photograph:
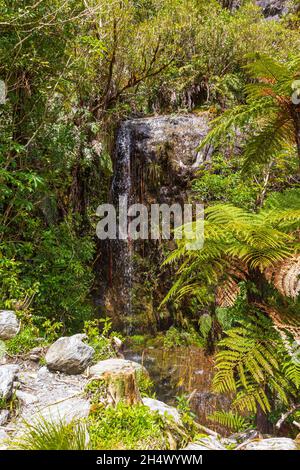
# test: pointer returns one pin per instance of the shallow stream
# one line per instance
(178, 371)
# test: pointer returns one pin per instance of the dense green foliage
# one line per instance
(73, 70)
(251, 242)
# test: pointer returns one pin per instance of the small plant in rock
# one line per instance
(145, 384)
(138, 340)
(34, 332)
(100, 338)
(52, 330)
(96, 392)
(187, 415)
(50, 435)
(25, 340)
(10, 404)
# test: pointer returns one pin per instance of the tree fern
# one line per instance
(251, 360)
(256, 249)
(268, 117)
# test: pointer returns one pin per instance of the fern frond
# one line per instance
(232, 421)
(292, 372)
(285, 276)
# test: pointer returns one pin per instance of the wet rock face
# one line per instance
(164, 156)
(180, 135)
(155, 160)
(156, 157)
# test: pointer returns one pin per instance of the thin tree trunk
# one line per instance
(262, 423)
(296, 119)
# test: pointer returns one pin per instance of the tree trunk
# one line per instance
(296, 120)
(262, 423)
(123, 387)
(214, 334)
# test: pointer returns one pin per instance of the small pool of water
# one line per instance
(182, 370)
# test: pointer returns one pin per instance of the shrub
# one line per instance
(127, 427)
(25, 340)
(176, 338)
(49, 435)
(100, 338)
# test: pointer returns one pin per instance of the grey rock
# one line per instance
(35, 354)
(3, 440)
(69, 355)
(246, 435)
(179, 135)
(71, 409)
(43, 373)
(114, 366)
(4, 417)
(7, 377)
(273, 8)
(9, 324)
(162, 408)
(207, 443)
(274, 443)
(26, 398)
(42, 389)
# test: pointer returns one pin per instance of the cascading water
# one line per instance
(154, 159)
(121, 190)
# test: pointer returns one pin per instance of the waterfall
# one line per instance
(122, 250)
(154, 159)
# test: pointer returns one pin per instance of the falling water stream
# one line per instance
(122, 191)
